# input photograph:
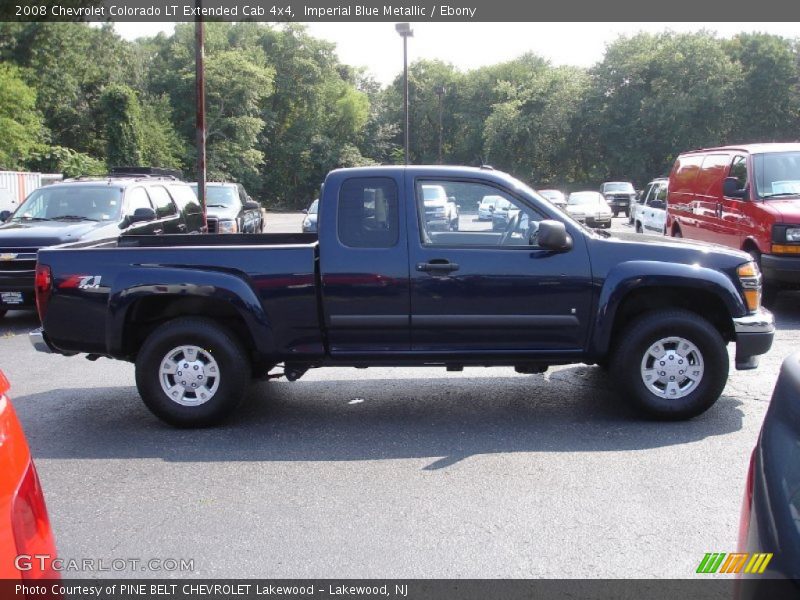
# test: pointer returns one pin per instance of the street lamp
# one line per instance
(405, 31)
(440, 91)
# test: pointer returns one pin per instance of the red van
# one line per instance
(745, 197)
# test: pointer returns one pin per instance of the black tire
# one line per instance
(3, 312)
(220, 345)
(639, 227)
(632, 347)
(676, 233)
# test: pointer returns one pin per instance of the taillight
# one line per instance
(43, 287)
(747, 505)
(32, 534)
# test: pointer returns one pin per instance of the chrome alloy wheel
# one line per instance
(189, 375)
(672, 367)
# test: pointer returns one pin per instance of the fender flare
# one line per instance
(627, 277)
(145, 281)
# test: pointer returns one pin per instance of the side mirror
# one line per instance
(252, 205)
(553, 236)
(491, 208)
(305, 211)
(142, 215)
(731, 189)
(4, 216)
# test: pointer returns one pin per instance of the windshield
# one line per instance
(777, 174)
(78, 202)
(224, 196)
(434, 193)
(581, 198)
(615, 186)
(490, 200)
(312, 210)
(552, 194)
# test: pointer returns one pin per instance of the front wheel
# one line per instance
(3, 313)
(673, 365)
(192, 372)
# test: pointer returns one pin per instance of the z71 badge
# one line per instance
(82, 282)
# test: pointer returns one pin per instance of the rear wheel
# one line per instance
(676, 232)
(192, 372)
(638, 227)
(3, 313)
(672, 365)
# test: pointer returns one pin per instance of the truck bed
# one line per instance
(277, 272)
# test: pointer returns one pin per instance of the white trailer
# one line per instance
(15, 187)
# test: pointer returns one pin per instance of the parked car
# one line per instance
(309, 224)
(619, 195)
(589, 208)
(651, 214)
(229, 209)
(501, 215)
(441, 212)
(25, 527)
(88, 208)
(745, 197)
(377, 286)
(770, 521)
(487, 206)
(556, 197)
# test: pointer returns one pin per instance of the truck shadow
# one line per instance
(443, 419)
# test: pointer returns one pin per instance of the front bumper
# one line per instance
(781, 269)
(17, 282)
(754, 335)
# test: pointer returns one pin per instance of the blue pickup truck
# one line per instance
(380, 286)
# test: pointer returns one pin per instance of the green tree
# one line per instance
(766, 105)
(20, 123)
(123, 117)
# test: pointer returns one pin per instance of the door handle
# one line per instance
(158, 231)
(436, 266)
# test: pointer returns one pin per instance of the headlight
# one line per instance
(227, 226)
(793, 234)
(750, 278)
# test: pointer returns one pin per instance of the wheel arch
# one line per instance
(626, 294)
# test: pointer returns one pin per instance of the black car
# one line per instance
(88, 209)
(619, 195)
(770, 524)
(230, 209)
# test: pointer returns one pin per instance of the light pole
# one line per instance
(440, 91)
(405, 31)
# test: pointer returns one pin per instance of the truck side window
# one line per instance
(463, 213)
(368, 214)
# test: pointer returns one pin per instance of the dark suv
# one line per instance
(88, 208)
(230, 209)
(619, 195)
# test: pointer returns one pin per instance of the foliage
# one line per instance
(20, 123)
(282, 110)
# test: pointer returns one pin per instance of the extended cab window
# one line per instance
(460, 213)
(368, 214)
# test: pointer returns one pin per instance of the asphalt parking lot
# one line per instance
(390, 472)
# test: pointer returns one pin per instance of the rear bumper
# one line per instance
(39, 341)
(754, 334)
(781, 269)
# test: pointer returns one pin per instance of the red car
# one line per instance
(25, 534)
(745, 197)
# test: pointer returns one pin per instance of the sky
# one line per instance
(377, 47)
